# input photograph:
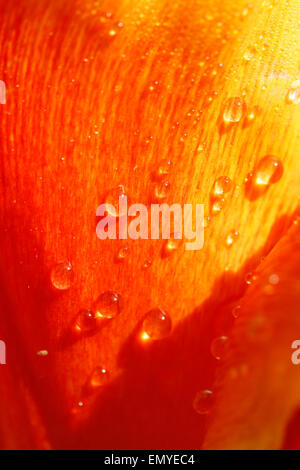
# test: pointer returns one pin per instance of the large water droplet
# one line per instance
(234, 110)
(157, 324)
(203, 401)
(99, 377)
(268, 171)
(108, 305)
(61, 276)
(113, 199)
(218, 347)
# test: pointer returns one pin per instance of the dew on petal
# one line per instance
(274, 279)
(171, 246)
(123, 253)
(232, 238)
(61, 276)
(217, 206)
(293, 94)
(236, 311)
(99, 377)
(108, 305)
(250, 278)
(268, 171)
(218, 347)
(86, 321)
(42, 353)
(203, 402)
(161, 190)
(250, 53)
(234, 110)
(157, 324)
(221, 186)
(163, 169)
(116, 202)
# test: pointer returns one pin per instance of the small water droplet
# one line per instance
(99, 377)
(108, 305)
(113, 199)
(218, 347)
(234, 110)
(231, 238)
(42, 353)
(217, 206)
(293, 94)
(170, 246)
(123, 253)
(203, 401)
(157, 324)
(161, 190)
(163, 169)
(274, 279)
(250, 53)
(221, 186)
(236, 311)
(250, 278)
(62, 275)
(86, 321)
(147, 264)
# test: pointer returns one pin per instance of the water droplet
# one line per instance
(157, 324)
(203, 401)
(250, 53)
(161, 190)
(42, 353)
(293, 94)
(250, 278)
(234, 110)
(62, 276)
(123, 253)
(236, 311)
(218, 347)
(147, 264)
(217, 206)
(170, 246)
(86, 321)
(99, 377)
(108, 305)
(268, 171)
(231, 238)
(252, 114)
(221, 186)
(163, 169)
(113, 199)
(274, 279)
